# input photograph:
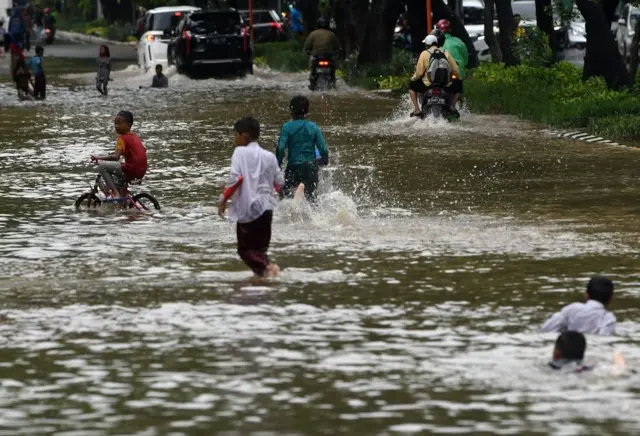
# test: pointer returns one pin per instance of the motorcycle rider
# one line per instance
(460, 54)
(420, 81)
(49, 21)
(322, 41)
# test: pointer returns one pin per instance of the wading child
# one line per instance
(104, 69)
(254, 173)
(114, 173)
(40, 82)
(300, 138)
(23, 78)
(588, 317)
(569, 352)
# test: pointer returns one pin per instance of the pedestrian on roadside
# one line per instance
(104, 69)
(159, 80)
(588, 317)
(2, 38)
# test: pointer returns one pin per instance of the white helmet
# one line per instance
(430, 40)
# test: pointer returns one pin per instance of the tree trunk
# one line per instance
(507, 25)
(633, 64)
(602, 58)
(544, 19)
(348, 13)
(309, 10)
(417, 19)
(377, 43)
(489, 34)
(609, 8)
(440, 10)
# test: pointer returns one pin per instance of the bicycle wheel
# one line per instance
(88, 201)
(147, 201)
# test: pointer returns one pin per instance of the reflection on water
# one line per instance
(410, 296)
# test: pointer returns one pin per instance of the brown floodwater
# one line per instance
(410, 299)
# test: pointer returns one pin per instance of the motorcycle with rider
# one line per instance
(323, 47)
(432, 80)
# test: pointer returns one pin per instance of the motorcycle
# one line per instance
(434, 103)
(323, 73)
(49, 34)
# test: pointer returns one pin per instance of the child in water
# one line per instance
(254, 173)
(128, 145)
(22, 78)
(40, 82)
(104, 69)
(306, 149)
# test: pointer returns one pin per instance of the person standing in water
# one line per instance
(159, 80)
(301, 138)
(40, 81)
(254, 173)
(104, 69)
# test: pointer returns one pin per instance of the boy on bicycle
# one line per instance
(114, 173)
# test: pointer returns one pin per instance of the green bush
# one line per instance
(555, 96)
(283, 56)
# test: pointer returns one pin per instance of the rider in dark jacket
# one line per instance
(322, 40)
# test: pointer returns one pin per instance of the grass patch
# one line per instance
(555, 96)
(290, 57)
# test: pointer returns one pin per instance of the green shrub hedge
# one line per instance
(556, 96)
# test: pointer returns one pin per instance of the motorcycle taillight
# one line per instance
(435, 91)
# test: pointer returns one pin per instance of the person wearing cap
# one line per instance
(460, 53)
(419, 82)
(588, 317)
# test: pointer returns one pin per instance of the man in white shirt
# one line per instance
(254, 174)
(588, 317)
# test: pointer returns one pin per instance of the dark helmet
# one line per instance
(323, 23)
(440, 35)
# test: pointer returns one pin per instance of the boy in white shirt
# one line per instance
(590, 317)
(254, 174)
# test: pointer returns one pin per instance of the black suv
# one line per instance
(211, 38)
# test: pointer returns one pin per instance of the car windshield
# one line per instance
(261, 17)
(526, 10)
(473, 15)
(166, 20)
(221, 22)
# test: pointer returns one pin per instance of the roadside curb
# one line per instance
(579, 136)
(90, 39)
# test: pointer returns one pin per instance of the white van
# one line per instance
(158, 24)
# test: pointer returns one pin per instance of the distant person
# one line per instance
(28, 27)
(460, 53)
(296, 20)
(16, 27)
(301, 139)
(22, 80)
(104, 70)
(589, 317)
(569, 352)
(254, 173)
(39, 79)
(159, 80)
(37, 18)
(128, 146)
(3, 32)
(519, 31)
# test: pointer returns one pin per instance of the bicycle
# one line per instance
(129, 200)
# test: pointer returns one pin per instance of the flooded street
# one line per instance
(410, 301)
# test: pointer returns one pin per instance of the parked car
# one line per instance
(577, 31)
(473, 11)
(211, 38)
(626, 26)
(158, 23)
(527, 11)
(267, 26)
